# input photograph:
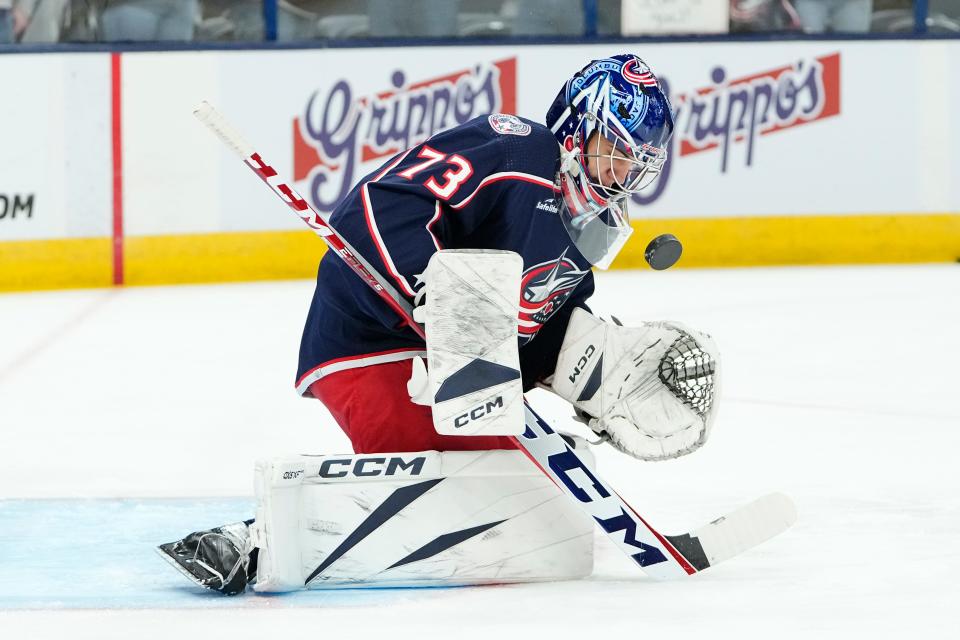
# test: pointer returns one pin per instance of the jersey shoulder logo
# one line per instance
(508, 125)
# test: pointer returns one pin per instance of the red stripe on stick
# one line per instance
(682, 561)
(117, 169)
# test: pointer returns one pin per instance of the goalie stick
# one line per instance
(660, 556)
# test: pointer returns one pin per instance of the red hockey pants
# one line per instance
(373, 408)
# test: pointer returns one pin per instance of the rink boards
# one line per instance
(811, 152)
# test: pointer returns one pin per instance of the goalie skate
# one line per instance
(216, 559)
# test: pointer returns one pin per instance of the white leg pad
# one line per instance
(414, 519)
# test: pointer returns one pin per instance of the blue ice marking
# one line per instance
(99, 554)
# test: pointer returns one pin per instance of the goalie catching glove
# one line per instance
(649, 390)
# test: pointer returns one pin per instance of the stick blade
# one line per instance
(746, 527)
(738, 531)
(205, 113)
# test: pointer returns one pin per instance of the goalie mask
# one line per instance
(612, 121)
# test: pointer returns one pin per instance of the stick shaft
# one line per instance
(313, 218)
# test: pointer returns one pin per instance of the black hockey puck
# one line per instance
(663, 251)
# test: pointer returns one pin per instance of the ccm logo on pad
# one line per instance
(478, 412)
(582, 363)
(370, 467)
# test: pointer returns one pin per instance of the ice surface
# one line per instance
(130, 417)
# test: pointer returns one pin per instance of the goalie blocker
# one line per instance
(471, 300)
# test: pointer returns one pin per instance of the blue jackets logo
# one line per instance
(544, 288)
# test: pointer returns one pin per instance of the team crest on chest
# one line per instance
(543, 290)
(508, 125)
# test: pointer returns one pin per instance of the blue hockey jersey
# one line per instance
(486, 184)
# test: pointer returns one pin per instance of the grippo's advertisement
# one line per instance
(732, 113)
(341, 136)
(341, 133)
